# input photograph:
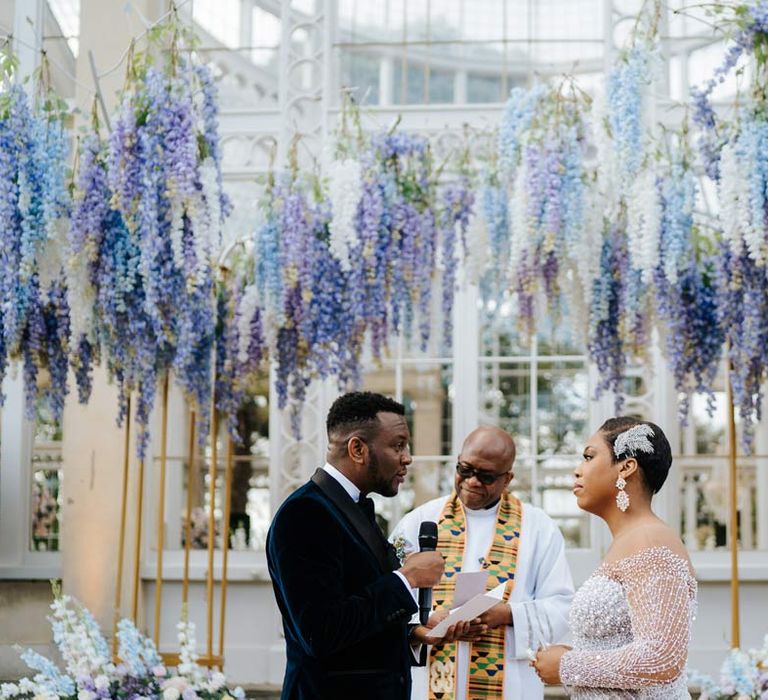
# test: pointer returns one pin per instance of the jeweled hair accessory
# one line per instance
(634, 440)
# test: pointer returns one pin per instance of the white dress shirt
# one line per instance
(354, 494)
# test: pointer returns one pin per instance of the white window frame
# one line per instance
(17, 560)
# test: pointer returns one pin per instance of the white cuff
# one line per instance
(407, 585)
(522, 632)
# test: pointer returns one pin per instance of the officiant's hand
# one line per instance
(547, 664)
(500, 614)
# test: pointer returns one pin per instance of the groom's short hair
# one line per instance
(358, 411)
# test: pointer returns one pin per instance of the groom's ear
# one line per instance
(357, 450)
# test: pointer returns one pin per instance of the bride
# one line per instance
(631, 619)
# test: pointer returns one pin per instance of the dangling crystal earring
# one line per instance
(622, 499)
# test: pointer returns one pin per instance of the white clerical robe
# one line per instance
(540, 599)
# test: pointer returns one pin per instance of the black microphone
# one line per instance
(427, 543)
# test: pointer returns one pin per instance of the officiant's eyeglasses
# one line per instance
(465, 471)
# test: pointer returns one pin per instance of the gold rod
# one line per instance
(225, 544)
(137, 547)
(161, 509)
(123, 514)
(211, 523)
(191, 474)
(734, 516)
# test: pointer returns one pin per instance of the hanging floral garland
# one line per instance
(685, 283)
(493, 197)
(164, 174)
(34, 208)
(303, 292)
(625, 187)
(619, 318)
(749, 22)
(733, 155)
(107, 291)
(542, 153)
(354, 262)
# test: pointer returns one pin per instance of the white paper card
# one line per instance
(469, 611)
(468, 585)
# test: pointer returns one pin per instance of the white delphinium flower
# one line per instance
(81, 296)
(586, 254)
(27, 686)
(50, 257)
(576, 303)
(216, 681)
(188, 666)
(209, 240)
(477, 247)
(521, 230)
(607, 165)
(84, 650)
(9, 690)
(733, 209)
(344, 192)
(177, 233)
(248, 304)
(753, 230)
(270, 326)
(643, 224)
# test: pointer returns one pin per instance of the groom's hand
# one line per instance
(459, 632)
(423, 569)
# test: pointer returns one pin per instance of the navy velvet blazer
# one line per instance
(345, 614)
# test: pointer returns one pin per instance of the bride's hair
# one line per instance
(654, 464)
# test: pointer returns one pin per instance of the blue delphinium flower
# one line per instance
(743, 310)
(457, 201)
(34, 202)
(625, 87)
(48, 674)
(519, 112)
(494, 207)
(619, 314)
(136, 651)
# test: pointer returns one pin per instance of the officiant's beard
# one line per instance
(379, 484)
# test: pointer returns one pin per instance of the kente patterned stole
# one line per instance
(486, 655)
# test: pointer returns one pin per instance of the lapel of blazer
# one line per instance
(369, 533)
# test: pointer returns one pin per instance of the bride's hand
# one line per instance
(547, 664)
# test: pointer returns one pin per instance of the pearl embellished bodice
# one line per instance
(630, 623)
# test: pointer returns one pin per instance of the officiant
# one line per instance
(344, 597)
(482, 526)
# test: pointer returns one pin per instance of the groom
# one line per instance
(344, 598)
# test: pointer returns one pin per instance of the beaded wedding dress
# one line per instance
(630, 623)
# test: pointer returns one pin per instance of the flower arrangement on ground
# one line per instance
(743, 676)
(90, 673)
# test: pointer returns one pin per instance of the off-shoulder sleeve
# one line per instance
(660, 592)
